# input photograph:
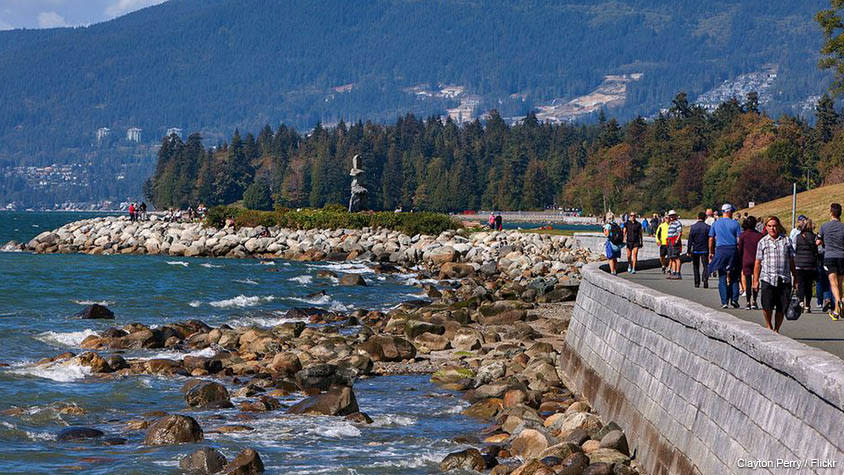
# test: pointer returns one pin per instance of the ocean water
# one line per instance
(416, 423)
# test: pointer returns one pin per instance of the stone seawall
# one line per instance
(703, 392)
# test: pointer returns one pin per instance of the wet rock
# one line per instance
(247, 462)
(209, 395)
(324, 376)
(95, 311)
(78, 433)
(352, 279)
(174, 429)
(485, 409)
(204, 461)
(291, 329)
(469, 459)
(339, 401)
(97, 363)
(359, 418)
(286, 364)
(616, 440)
(388, 348)
(261, 404)
(111, 441)
(116, 362)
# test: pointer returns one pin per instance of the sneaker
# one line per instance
(754, 306)
(615, 273)
(735, 304)
(632, 271)
(827, 305)
(663, 270)
(705, 285)
(742, 294)
(833, 315)
(725, 306)
(808, 309)
(748, 307)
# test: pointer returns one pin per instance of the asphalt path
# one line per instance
(814, 329)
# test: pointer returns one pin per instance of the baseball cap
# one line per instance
(802, 217)
(672, 213)
(727, 208)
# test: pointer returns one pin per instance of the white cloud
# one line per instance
(121, 7)
(51, 20)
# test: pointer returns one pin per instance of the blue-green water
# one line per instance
(415, 423)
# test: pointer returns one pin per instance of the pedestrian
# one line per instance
(661, 236)
(698, 250)
(654, 223)
(794, 232)
(645, 225)
(805, 262)
(823, 291)
(831, 237)
(491, 220)
(633, 237)
(760, 226)
(131, 211)
(724, 258)
(675, 246)
(498, 222)
(710, 217)
(772, 272)
(143, 210)
(748, 241)
(612, 247)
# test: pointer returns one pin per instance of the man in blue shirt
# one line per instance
(723, 256)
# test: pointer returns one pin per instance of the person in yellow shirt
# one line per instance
(662, 240)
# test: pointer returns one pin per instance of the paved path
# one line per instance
(814, 329)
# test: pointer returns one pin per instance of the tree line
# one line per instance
(686, 157)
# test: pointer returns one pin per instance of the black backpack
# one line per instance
(616, 235)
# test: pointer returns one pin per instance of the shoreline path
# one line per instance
(815, 329)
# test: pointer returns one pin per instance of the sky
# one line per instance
(58, 13)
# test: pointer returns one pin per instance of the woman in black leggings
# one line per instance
(805, 263)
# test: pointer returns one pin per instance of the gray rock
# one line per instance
(204, 461)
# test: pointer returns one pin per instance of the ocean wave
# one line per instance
(262, 321)
(323, 301)
(241, 301)
(210, 266)
(33, 436)
(267, 263)
(392, 420)
(345, 267)
(194, 303)
(73, 339)
(245, 281)
(178, 263)
(417, 461)
(176, 355)
(302, 279)
(336, 429)
(62, 371)
(104, 303)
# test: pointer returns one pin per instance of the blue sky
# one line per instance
(57, 13)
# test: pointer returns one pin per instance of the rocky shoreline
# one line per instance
(494, 332)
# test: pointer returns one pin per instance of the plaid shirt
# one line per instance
(776, 255)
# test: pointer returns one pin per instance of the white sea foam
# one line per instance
(323, 301)
(267, 263)
(178, 263)
(392, 420)
(345, 267)
(62, 371)
(210, 266)
(262, 321)
(302, 279)
(73, 339)
(246, 281)
(242, 301)
(456, 409)
(417, 461)
(336, 429)
(194, 303)
(176, 355)
(105, 303)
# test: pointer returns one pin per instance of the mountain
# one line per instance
(214, 65)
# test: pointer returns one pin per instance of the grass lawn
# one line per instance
(813, 203)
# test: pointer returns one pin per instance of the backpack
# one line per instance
(616, 236)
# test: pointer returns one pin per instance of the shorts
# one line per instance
(663, 250)
(633, 245)
(612, 251)
(674, 251)
(834, 265)
(775, 297)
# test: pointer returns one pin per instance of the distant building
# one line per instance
(134, 135)
(174, 130)
(102, 133)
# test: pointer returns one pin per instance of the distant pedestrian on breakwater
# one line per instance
(661, 237)
(748, 242)
(612, 247)
(143, 216)
(831, 237)
(491, 220)
(498, 222)
(724, 258)
(633, 237)
(698, 250)
(805, 261)
(773, 271)
(673, 240)
(132, 212)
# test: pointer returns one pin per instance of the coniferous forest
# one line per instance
(685, 158)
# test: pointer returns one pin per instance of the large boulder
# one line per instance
(352, 279)
(204, 460)
(173, 429)
(324, 376)
(441, 255)
(455, 270)
(209, 395)
(247, 462)
(469, 460)
(339, 401)
(95, 311)
(530, 443)
(78, 433)
(388, 348)
(97, 363)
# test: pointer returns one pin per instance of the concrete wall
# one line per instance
(699, 391)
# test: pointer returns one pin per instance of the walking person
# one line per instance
(773, 271)
(661, 240)
(491, 220)
(805, 262)
(143, 211)
(633, 237)
(675, 246)
(831, 237)
(710, 217)
(724, 258)
(698, 250)
(498, 222)
(748, 241)
(612, 247)
(131, 211)
(654, 223)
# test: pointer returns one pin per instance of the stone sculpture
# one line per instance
(356, 201)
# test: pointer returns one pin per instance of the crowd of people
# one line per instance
(751, 257)
(139, 213)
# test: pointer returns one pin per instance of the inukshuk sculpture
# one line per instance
(358, 191)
